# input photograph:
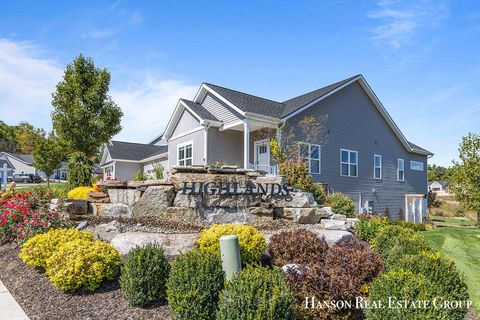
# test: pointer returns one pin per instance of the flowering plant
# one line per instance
(24, 215)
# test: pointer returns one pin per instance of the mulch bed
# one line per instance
(41, 300)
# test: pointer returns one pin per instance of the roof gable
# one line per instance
(121, 150)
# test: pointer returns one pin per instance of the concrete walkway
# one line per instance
(9, 308)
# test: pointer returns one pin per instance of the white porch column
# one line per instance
(246, 144)
(205, 143)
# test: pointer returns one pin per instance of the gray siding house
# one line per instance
(363, 153)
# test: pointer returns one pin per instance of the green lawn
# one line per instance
(462, 245)
(454, 221)
(27, 187)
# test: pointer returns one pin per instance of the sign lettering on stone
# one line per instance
(233, 188)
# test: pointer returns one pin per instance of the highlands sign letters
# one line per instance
(233, 188)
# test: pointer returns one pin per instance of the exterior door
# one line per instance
(415, 207)
(262, 154)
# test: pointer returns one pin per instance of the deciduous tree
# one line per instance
(48, 155)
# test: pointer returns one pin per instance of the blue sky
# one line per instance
(422, 58)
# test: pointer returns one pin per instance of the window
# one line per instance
(310, 153)
(400, 170)
(416, 165)
(377, 166)
(348, 163)
(185, 154)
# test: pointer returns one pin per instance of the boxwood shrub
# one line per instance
(256, 293)
(252, 242)
(83, 264)
(341, 204)
(144, 275)
(368, 228)
(194, 285)
(298, 246)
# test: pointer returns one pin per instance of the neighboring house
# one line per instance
(122, 160)
(365, 155)
(10, 167)
(438, 186)
(22, 163)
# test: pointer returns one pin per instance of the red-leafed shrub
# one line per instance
(25, 215)
(298, 246)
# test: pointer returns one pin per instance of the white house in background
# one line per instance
(440, 186)
(21, 163)
(122, 160)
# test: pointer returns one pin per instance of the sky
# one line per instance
(422, 58)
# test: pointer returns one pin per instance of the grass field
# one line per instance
(460, 241)
(27, 187)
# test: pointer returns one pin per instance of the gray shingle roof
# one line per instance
(416, 147)
(200, 110)
(28, 158)
(134, 151)
(250, 103)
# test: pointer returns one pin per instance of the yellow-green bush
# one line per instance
(252, 242)
(80, 193)
(39, 248)
(83, 264)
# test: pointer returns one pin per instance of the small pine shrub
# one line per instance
(140, 176)
(298, 246)
(39, 248)
(252, 242)
(80, 193)
(394, 241)
(319, 193)
(256, 293)
(341, 204)
(80, 169)
(144, 275)
(83, 264)
(193, 287)
(368, 229)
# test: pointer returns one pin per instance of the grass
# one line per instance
(461, 243)
(454, 221)
(28, 188)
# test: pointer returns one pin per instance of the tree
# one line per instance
(436, 173)
(48, 155)
(84, 115)
(79, 170)
(7, 138)
(466, 174)
(27, 136)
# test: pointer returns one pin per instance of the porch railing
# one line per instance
(270, 170)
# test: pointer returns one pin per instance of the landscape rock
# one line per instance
(271, 179)
(328, 224)
(182, 212)
(179, 178)
(82, 225)
(261, 211)
(124, 196)
(340, 217)
(112, 183)
(154, 200)
(301, 215)
(174, 244)
(328, 211)
(351, 222)
(147, 183)
(113, 210)
(296, 199)
(74, 206)
(224, 215)
(292, 267)
(188, 201)
(107, 231)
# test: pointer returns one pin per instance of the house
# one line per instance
(21, 163)
(365, 154)
(440, 186)
(122, 160)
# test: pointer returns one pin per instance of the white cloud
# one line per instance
(26, 82)
(147, 107)
(400, 21)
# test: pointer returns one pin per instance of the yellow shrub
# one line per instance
(252, 242)
(83, 264)
(39, 248)
(80, 193)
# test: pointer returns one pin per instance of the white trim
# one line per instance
(417, 162)
(184, 144)
(205, 144)
(309, 158)
(186, 133)
(255, 145)
(246, 144)
(259, 117)
(398, 169)
(231, 125)
(158, 156)
(349, 163)
(377, 104)
(219, 96)
(379, 167)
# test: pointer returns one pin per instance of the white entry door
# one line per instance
(262, 154)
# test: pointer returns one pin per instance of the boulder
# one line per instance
(147, 183)
(292, 267)
(301, 215)
(182, 212)
(82, 225)
(188, 201)
(75, 206)
(328, 224)
(124, 196)
(107, 231)
(225, 215)
(179, 178)
(328, 210)
(97, 195)
(174, 244)
(339, 217)
(112, 210)
(296, 199)
(271, 179)
(113, 183)
(261, 211)
(155, 200)
(351, 222)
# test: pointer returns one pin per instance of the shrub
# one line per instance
(298, 246)
(194, 285)
(80, 169)
(140, 176)
(24, 215)
(394, 241)
(296, 173)
(80, 193)
(252, 242)
(319, 193)
(39, 248)
(256, 293)
(144, 275)
(410, 225)
(356, 257)
(441, 272)
(341, 204)
(404, 285)
(157, 172)
(83, 264)
(368, 229)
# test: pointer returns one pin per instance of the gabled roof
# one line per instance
(199, 110)
(8, 163)
(121, 150)
(27, 158)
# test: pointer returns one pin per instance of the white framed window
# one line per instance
(416, 165)
(400, 170)
(348, 163)
(185, 154)
(377, 166)
(310, 153)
